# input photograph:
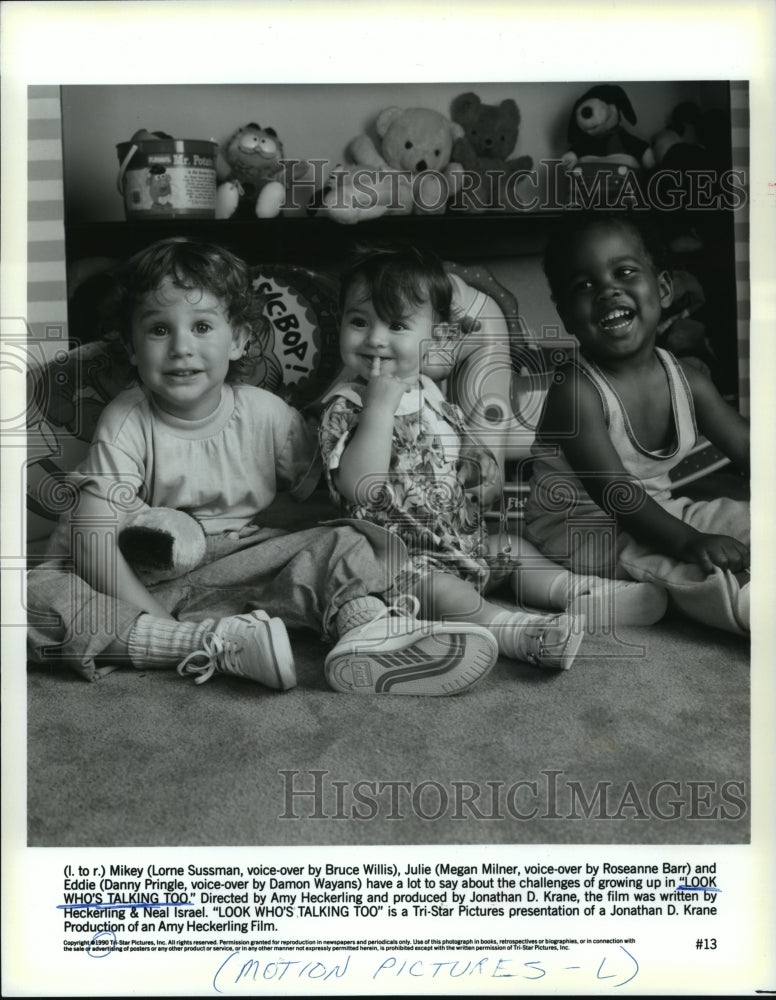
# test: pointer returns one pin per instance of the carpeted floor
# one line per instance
(146, 758)
(645, 740)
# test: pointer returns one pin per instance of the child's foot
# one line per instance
(401, 655)
(544, 640)
(253, 646)
(605, 603)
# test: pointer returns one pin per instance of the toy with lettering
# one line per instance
(188, 445)
(621, 417)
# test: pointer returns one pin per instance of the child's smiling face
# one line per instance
(182, 343)
(611, 295)
(397, 342)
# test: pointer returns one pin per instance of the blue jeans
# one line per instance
(304, 578)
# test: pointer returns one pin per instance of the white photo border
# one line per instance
(307, 41)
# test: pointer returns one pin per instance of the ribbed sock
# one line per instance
(359, 611)
(159, 642)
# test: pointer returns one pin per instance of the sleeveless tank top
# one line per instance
(555, 486)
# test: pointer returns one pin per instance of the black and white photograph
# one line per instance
(511, 588)
(380, 507)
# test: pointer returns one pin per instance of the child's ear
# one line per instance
(665, 285)
(242, 335)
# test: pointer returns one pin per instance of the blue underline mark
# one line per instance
(114, 906)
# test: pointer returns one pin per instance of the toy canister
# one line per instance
(164, 178)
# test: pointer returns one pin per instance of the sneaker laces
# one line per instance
(558, 650)
(214, 649)
(537, 632)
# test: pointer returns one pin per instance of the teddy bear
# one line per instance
(490, 136)
(408, 170)
(596, 129)
(249, 171)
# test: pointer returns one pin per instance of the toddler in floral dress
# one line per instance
(397, 453)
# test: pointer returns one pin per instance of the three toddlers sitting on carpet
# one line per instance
(402, 585)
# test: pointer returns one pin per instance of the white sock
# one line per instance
(359, 611)
(159, 642)
(541, 588)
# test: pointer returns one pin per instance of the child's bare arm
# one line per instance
(718, 421)
(368, 454)
(98, 559)
(574, 420)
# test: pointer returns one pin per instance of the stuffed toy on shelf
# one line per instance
(695, 148)
(251, 175)
(490, 136)
(596, 128)
(388, 175)
(603, 156)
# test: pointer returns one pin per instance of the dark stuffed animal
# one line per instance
(596, 129)
(695, 144)
(491, 132)
(490, 136)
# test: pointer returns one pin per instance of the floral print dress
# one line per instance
(424, 501)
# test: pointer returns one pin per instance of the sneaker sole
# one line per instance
(446, 662)
(283, 657)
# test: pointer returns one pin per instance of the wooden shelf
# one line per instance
(314, 241)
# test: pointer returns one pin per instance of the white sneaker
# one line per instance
(605, 603)
(253, 646)
(544, 640)
(401, 655)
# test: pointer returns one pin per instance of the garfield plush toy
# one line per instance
(249, 170)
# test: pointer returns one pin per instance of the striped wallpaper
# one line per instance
(46, 274)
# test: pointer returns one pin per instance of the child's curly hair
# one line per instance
(190, 264)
